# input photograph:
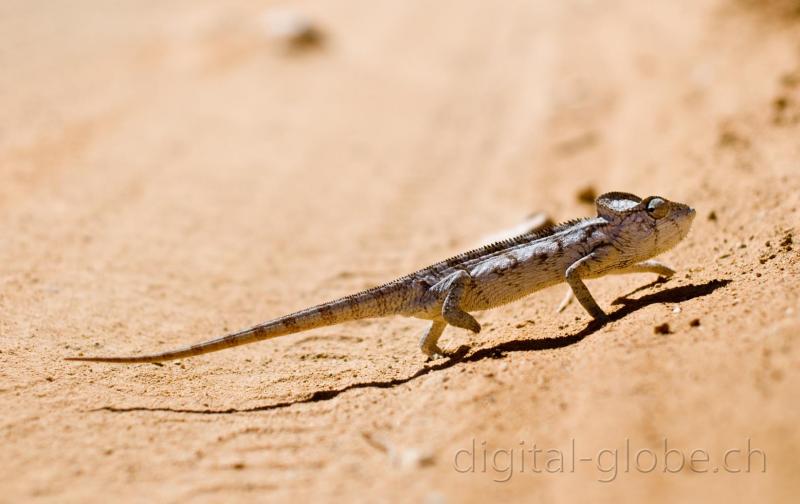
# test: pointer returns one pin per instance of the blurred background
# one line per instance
(370, 97)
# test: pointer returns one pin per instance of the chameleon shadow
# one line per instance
(674, 295)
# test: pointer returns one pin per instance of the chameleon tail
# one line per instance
(366, 304)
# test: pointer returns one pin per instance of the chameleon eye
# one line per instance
(657, 208)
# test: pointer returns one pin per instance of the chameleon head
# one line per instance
(645, 227)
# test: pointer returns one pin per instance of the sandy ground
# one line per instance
(169, 174)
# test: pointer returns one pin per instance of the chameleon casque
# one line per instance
(627, 232)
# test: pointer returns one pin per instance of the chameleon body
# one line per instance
(627, 232)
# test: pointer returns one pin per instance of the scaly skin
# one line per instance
(627, 232)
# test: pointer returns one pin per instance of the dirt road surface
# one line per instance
(169, 173)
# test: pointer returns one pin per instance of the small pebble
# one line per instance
(695, 323)
(662, 329)
(410, 458)
(787, 241)
(290, 27)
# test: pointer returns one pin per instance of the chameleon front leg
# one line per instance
(566, 301)
(649, 266)
(578, 269)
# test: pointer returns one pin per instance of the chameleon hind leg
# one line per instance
(429, 341)
(452, 313)
(454, 288)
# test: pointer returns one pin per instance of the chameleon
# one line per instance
(626, 234)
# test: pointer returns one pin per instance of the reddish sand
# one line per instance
(169, 174)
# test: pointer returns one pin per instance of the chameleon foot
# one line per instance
(435, 354)
(568, 297)
(429, 341)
